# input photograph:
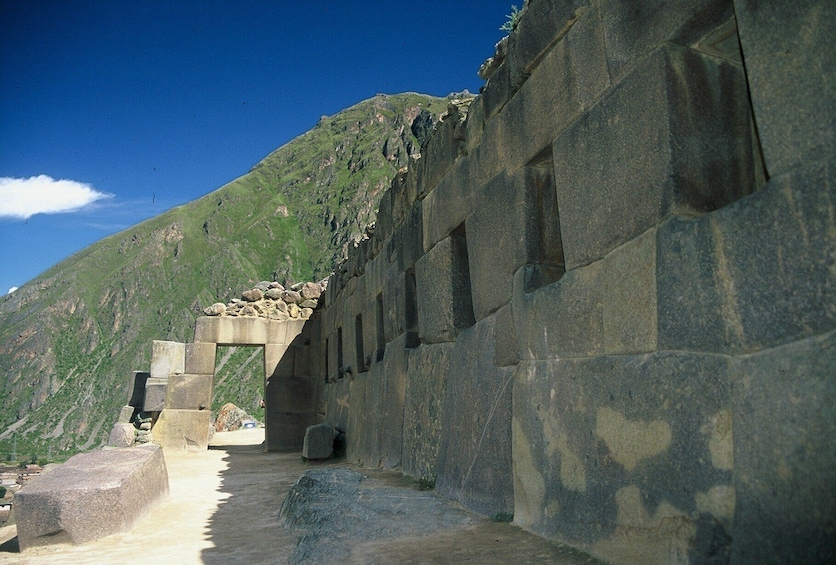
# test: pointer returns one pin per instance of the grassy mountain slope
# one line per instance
(69, 338)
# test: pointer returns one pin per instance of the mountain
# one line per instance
(70, 337)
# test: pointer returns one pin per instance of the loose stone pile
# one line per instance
(273, 301)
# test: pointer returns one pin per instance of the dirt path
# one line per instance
(224, 506)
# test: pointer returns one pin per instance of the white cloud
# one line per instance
(23, 198)
(11, 290)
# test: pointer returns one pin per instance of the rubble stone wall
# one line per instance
(603, 300)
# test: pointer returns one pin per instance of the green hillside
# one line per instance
(69, 338)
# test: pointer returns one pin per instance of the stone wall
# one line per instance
(603, 300)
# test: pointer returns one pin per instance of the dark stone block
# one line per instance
(630, 456)
(498, 91)
(443, 291)
(570, 77)
(545, 22)
(514, 222)
(154, 394)
(672, 138)
(441, 151)
(285, 431)
(426, 383)
(409, 238)
(636, 28)
(319, 442)
(784, 454)
(474, 464)
(91, 496)
(752, 275)
(291, 394)
(563, 319)
(136, 388)
(788, 49)
(506, 348)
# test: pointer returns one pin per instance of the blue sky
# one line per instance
(142, 106)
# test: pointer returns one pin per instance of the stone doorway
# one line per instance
(291, 376)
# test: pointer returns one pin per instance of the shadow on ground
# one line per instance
(247, 528)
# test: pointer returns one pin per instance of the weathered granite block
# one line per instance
(408, 239)
(506, 346)
(426, 383)
(451, 202)
(363, 432)
(444, 293)
(544, 23)
(392, 392)
(91, 496)
(183, 430)
(563, 319)
(167, 358)
(200, 358)
(400, 305)
(319, 442)
(336, 398)
(789, 63)
(755, 274)
(474, 460)
(629, 305)
(136, 388)
(498, 90)
(291, 394)
(784, 402)
(189, 392)
(636, 28)
(121, 435)
(126, 414)
(224, 330)
(630, 456)
(441, 151)
(673, 137)
(514, 222)
(475, 124)
(154, 394)
(285, 431)
(570, 77)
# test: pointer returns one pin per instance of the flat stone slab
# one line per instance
(91, 496)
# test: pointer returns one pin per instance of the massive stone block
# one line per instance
(408, 239)
(452, 201)
(755, 274)
(570, 77)
(629, 456)
(636, 28)
(426, 384)
(91, 496)
(674, 137)
(200, 358)
(319, 442)
(789, 62)
(183, 430)
(629, 305)
(154, 399)
(225, 330)
(189, 392)
(445, 305)
(515, 221)
(291, 394)
(474, 461)
(285, 431)
(544, 24)
(167, 358)
(563, 319)
(784, 401)
(440, 151)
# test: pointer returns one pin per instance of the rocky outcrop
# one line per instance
(273, 301)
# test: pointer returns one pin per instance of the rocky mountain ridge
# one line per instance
(69, 337)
